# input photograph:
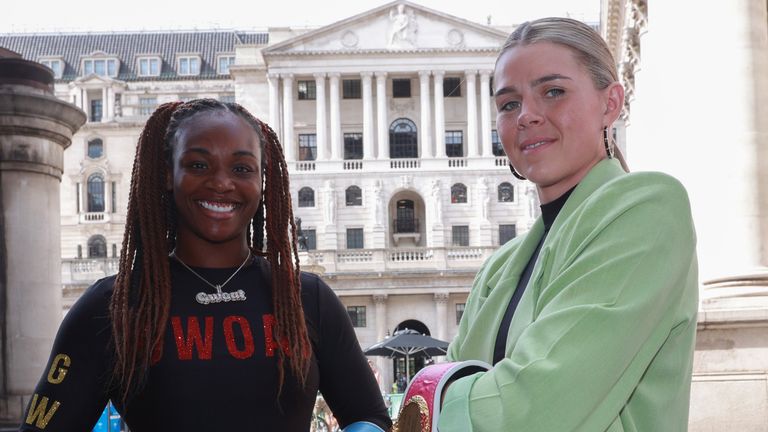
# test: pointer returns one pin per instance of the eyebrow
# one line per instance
(238, 153)
(534, 83)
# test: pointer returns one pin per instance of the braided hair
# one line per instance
(140, 304)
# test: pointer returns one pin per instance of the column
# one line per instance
(383, 363)
(485, 113)
(274, 102)
(289, 144)
(439, 114)
(426, 115)
(471, 77)
(321, 127)
(104, 105)
(441, 315)
(382, 140)
(367, 116)
(336, 152)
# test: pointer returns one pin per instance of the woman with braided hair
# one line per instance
(208, 324)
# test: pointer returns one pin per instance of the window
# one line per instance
(350, 89)
(307, 90)
(354, 196)
(354, 238)
(189, 65)
(79, 251)
(225, 61)
(95, 148)
(452, 87)
(306, 197)
(114, 197)
(403, 139)
(401, 88)
(353, 145)
(114, 250)
(459, 311)
(497, 148)
(96, 110)
(57, 66)
(454, 143)
(506, 192)
(458, 194)
(307, 147)
(101, 67)
(507, 233)
(406, 221)
(149, 66)
(97, 247)
(460, 235)
(227, 98)
(357, 315)
(147, 105)
(95, 193)
(310, 240)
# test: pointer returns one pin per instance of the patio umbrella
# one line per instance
(406, 343)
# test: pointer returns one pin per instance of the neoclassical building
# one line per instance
(386, 117)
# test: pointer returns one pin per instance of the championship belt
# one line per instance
(421, 405)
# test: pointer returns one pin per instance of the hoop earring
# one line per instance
(608, 146)
(515, 173)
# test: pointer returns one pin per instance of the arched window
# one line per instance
(354, 196)
(97, 247)
(95, 148)
(458, 194)
(403, 142)
(406, 221)
(306, 197)
(95, 193)
(506, 192)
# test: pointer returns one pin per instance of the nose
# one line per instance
(530, 115)
(220, 181)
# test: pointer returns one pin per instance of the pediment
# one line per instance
(396, 26)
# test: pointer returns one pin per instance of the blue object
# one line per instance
(362, 426)
(109, 421)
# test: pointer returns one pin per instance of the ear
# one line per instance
(614, 103)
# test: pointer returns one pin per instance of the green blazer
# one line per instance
(603, 337)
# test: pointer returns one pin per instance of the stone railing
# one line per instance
(393, 259)
(88, 269)
(339, 166)
(94, 217)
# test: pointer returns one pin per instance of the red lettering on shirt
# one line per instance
(245, 329)
(269, 341)
(193, 337)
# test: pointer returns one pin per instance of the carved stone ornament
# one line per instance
(402, 29)
(349, 39)
(455, 38)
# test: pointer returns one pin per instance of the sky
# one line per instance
(132, 15)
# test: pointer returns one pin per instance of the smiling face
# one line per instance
(551, 116)
(216, 179)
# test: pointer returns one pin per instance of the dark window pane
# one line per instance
(459, 312)
(452, 87)
(307, 147)
(306, 197)
(498, 149)
(96, 106)
(97, 247)
(307, 90)
(460, 235)
(354, 238)
(95, 193)
(350, 89)
(353, 146)
(311, 238)
(354, 196)
(507, 233)
(454, 143)
(403, 141)
(401, 88)
(95, 148)
(458, 194)
(506, 192)
(357, 315)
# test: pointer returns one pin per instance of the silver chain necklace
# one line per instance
(219, 297)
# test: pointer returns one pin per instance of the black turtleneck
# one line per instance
(549, 212)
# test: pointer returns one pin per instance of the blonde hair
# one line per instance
(586, 44)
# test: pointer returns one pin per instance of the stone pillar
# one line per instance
(471, 77)
(104, 104)
(383, 363)
(439, 114)
(336, 150)
(289, 142)
(485, 113)
(274, 102)
(426, 115)
(367, 116)
(321, 127)
(441, 315)
(382, 141)
(35, 128)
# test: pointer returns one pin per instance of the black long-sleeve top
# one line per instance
(218, 368)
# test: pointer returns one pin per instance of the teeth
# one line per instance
(217, 207)
(534, 145)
